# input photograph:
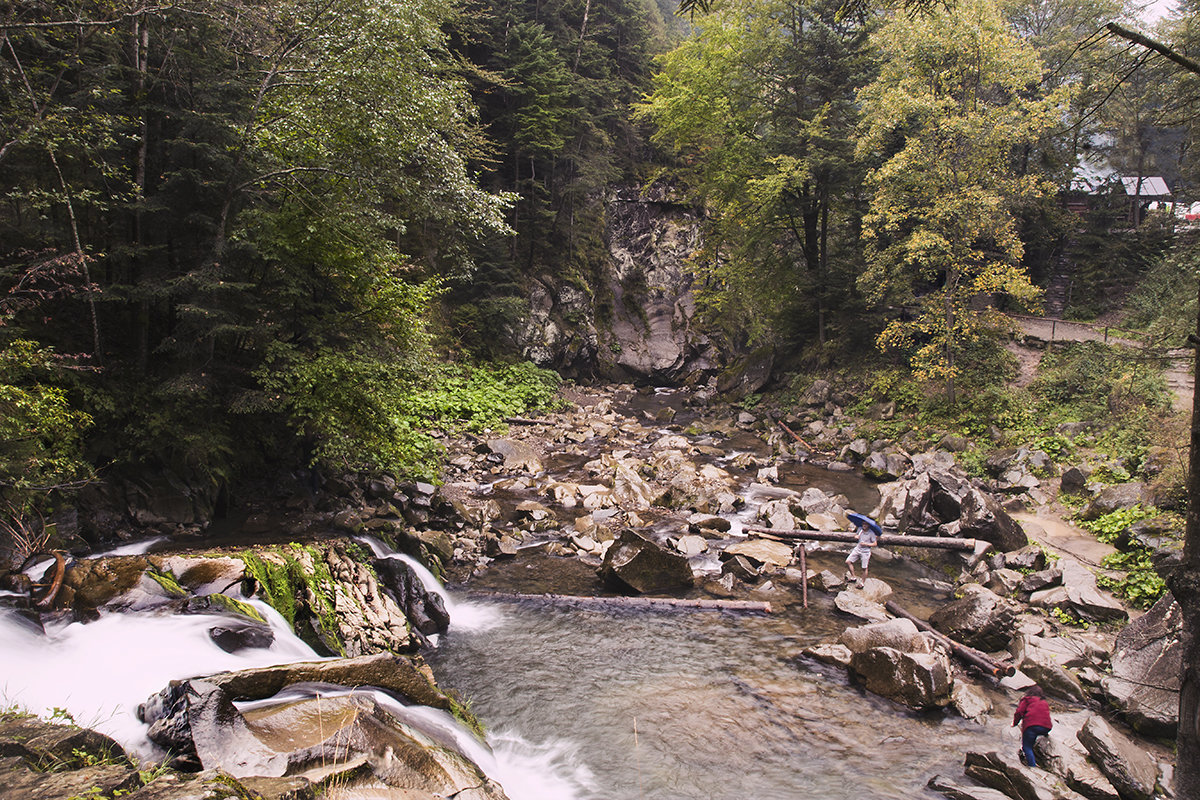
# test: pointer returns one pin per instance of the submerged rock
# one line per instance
(634, 562)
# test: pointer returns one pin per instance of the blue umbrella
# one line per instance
(863, 519)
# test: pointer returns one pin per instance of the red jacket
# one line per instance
(1032, 710)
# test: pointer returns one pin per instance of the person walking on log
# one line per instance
(1033, 712)
(868, 531)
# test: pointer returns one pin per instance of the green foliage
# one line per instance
(1088, 381)
(1065, 617)
(1141, 585)
(947, 110)
(759, 109)
(40, 431)
(362, 412)
(1109, 527)
(296, 581)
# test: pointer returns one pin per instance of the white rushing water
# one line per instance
(464, 615)
(100, 671)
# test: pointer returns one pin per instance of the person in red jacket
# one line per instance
(1033, 712)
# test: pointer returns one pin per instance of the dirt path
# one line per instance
(1177, 368)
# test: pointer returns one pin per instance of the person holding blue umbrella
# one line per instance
(869, 532)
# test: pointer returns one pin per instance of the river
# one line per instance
(584, 702)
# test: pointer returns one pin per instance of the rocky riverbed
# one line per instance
(626, 494)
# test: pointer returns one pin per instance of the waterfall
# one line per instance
(464, 615)
(98, 673)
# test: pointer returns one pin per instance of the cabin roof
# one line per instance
(1149, 187)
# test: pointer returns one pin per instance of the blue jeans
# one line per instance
(1028, 737)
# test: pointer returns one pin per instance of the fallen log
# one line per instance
(798, 438)
(895, 539)
(703, 603)
(46, 601)
(966, 654)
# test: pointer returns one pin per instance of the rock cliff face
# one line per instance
(634, 322)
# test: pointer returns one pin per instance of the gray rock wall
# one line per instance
(636, 319)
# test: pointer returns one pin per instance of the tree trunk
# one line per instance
(1185, 586)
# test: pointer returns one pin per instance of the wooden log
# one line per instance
(894, 539)
(804, 575)
(46, 601)
(797, 437)
(701, 603)
(964, 653)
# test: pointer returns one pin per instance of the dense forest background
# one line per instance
(243, 237)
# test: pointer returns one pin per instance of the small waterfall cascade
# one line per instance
(464, 615)
(95, 674)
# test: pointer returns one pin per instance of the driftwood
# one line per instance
(968, 655)
(895, 539)
(46, 601)
(524, 421)
(704, 604)
(798, 438)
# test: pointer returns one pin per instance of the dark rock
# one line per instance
(1040, 580)
(635, 562)
(918, 680)
(741, 568)
(1153, 533)
(1074, 480)
(1146, 666)
(747, 374)
(238, 635)
(48, 746)
(1005, 774)
(980, 619)
(1116, 497)
(817, 394)
(425, 611)
(1030, 559)
(944, 502)
(104, 780)
(1129, 767)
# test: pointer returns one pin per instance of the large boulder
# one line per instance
(980, 618)
(1004, 773)
(942, 502)
(1115, 497)
(425, 610)
(867, 602)
(636, 563)
(747, 374)
(1063, 754)
(1085, 598)
(918, 680)
(1146, 665)
(1129, 767)
(518, 456)
(898, 634)
(366, 738)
